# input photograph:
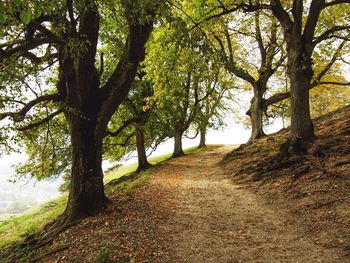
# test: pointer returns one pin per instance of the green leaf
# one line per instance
(25, 16)
(37, 11)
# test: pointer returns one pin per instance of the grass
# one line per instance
(130, 186)
(15, 228)
(4, 217)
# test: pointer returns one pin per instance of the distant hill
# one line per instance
(18, 197)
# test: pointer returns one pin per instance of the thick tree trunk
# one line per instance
(299, 69)
(256, 113)
(143, 164)
(203, 132)
(86, 195)
(178, 144)
(300, 73)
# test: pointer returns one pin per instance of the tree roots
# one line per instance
(32, 242)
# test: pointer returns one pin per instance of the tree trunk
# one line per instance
(178, 143)
(86, 195)
(256, 113)
(300, 73)
(203, 132)
(143, 164)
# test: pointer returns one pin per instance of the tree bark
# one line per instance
(256, 113)
(299, 38)
(178, 143)
(300, 73)
(143, 164)
(203, 132)
(86, 195)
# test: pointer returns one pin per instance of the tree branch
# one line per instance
(23, 46)
(20, 115)
(222, 13)
(311, 22)
(46, 32)
(119, 83)
(230, 64)
(329, 65)
(281, 15)
(38, 123)
(276, 98)
(73, 22)
(259, 39)
(125, 143)
(334, 83)
(297, 11)
(335, 2)
(124, 125)
(328, 33)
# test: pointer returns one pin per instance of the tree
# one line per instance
(211, 110)
(180, 98)
(135, 125)
(303, 31)
(265, 39)
(186, 74)
(142, 111)
(305, 27)
(63, 37)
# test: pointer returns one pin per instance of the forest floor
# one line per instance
(215, 205)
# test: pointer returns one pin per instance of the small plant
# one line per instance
(27, 256)
(242, 176)
(63, 245)
(103, 255)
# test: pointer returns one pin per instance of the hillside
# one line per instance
(221, 204)
(311, 191)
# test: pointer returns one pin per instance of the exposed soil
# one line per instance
(216, 220)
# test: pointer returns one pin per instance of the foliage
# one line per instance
(137, 112)
(185, 73)
(327, 97)
(48, 151)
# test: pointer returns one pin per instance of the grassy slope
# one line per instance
(15, 228)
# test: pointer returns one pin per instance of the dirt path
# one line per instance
(215, 220)
(191, 211)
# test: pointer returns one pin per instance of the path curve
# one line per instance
(215, 220)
